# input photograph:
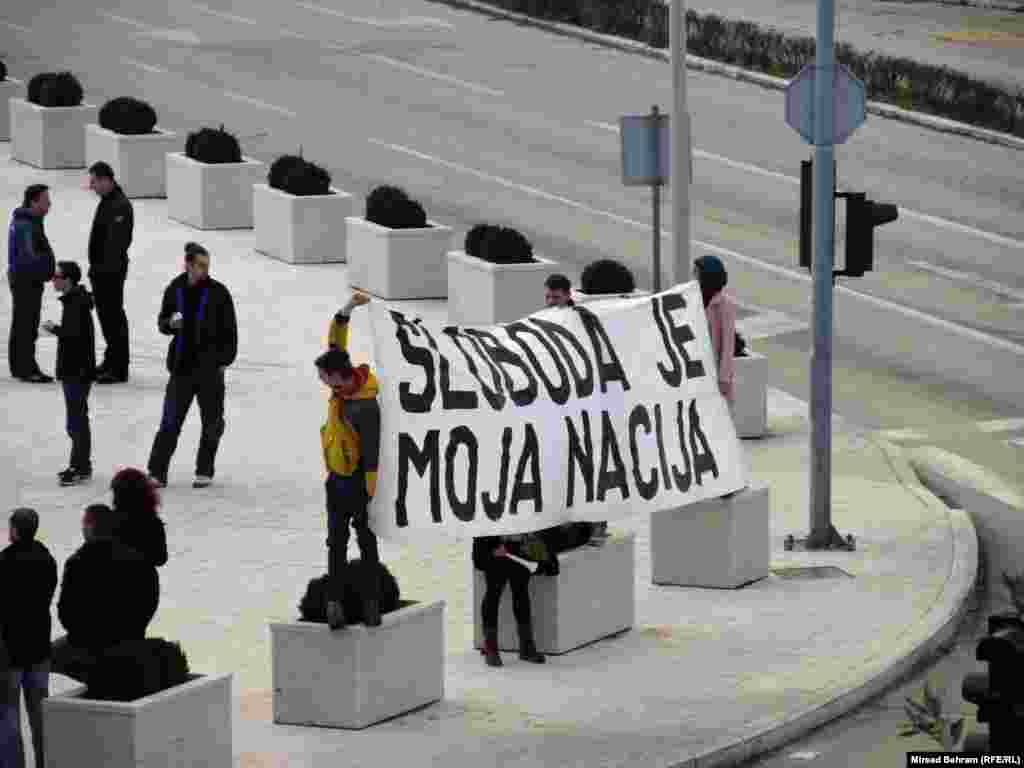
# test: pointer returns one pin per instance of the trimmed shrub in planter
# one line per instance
(299, 217)
(128, 138)
(137, 669)
(396, 252)
(497, 280)
(607, 276)
(210, 186)
(48, 128)
(9, 89)
(3, 71)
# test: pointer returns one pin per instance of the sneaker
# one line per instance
(37, 378)
(159, 482)
(72, 476)
(202, 481)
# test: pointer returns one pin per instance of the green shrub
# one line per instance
(137, 668)
(280, 167)
(389, 206)
(313, 606)
(607, 276)
(55, 89)
(212, 146)
(3, 71)
(498, 245)
(128, 116)
(296, 176)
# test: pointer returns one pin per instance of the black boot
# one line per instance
(491, 655)
(336, 567)
(527, 650)
(371, 597)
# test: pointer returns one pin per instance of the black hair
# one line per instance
(71, 271)
(558, 283)
(25, 523)
(335, 360)
(104, 519)
(32, 193)
(194, 249)
(101, 170)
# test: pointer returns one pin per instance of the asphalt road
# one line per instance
(487, 120)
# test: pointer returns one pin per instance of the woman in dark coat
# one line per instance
(136, 501)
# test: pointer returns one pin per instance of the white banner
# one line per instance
(596, 412)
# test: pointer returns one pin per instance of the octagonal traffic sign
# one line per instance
(848, 102)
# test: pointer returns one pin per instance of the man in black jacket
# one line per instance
(25, 621)
(197, 311)
(30, 266)
(109, 240)
(101, 568)
(76, 366)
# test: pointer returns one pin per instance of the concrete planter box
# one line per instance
(139, 162)
(482, 293)
(750, 409)
(211, 196)
(9, 89)
(591, 598)
(398, 263)
(723, 543)
(358, 676)
(49, 137)
(581, 297)
(301, 229)
(189, 725)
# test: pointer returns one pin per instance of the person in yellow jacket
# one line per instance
(351, 444)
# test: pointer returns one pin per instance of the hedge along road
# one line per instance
(486, 120)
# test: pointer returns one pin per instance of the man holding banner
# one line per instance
(351, 440)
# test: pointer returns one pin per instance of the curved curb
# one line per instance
(927, 637)
(940, 124)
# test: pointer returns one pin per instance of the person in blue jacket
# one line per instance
(30, 265)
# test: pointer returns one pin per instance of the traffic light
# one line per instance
(862, 216)
(999, 693)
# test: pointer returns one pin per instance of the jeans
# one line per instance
(27, 304)
(500, 571)
(347, 505)
(208, 388)
(34, 681)
(76, 399)
(108, 291)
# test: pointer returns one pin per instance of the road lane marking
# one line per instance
(224, 15)
(144, 66)
(983, 338)
(258, 103)
(1001, 425)
(966, 277)
(15, 27)
(408, 21)
(476, 87)
(955, 226)
(184, 36)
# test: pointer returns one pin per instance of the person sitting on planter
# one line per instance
(720, 308)
(25, 632)
(351, 445)
(101, 569)
(136, 503)
(558, 292)
(491, 555)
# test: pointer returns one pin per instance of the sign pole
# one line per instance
(656, 211)
(681, 169)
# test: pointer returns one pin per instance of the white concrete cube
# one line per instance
(189, 725)
(482, 293)
(301, 229)
(9, 89)
(591, 598)
(139, 161)
(398, 263)
(359, 675)
(211, 195)
(750, 406)
(719, 542)
(49, 137)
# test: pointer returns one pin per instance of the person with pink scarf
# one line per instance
(720, 308)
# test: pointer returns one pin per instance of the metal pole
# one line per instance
(656, 209)
(679, 270)
(822, 533)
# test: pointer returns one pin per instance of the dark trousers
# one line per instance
(27, 303)
(501, 571)
(208, 388)
(347, 505)
(76, 400)
(108, 292)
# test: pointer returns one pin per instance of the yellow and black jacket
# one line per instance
(351, 436)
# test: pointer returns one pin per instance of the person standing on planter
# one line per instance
(76, 366)
(350, 439)
(198, 312)
(490, 555)
(30, 265)
(109, 240)
(25, 622)
(720, 309)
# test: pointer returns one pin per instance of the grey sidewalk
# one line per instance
(704, 677)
